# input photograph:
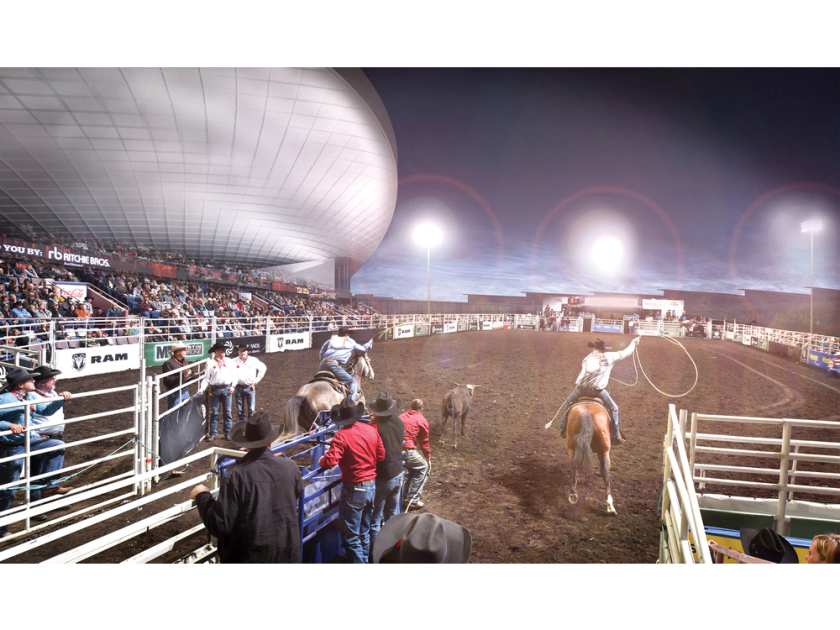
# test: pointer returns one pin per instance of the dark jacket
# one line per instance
(173, 380)
(392, 430)
(255, 517)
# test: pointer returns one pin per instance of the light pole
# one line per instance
(428, 235)
(811, 226)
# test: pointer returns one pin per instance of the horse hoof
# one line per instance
(610, 506)
(573, 498)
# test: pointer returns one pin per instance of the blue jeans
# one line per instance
(416, 467)
(178, 397)
(40, 464)
(217, 396)
(602, 394)
(242, 393)
(355, 515)
(386, 503)
(344, 376)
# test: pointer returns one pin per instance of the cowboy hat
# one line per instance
(347, 411)
(599, 344)
(384, 405)
(242, 348)
(768, 545)
(44, 372)
(217, 346)
(15, 376)
(256, 432)
(343, 331)
(177, 346)
(422, 538)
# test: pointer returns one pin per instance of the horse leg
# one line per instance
(573, 495)
(604, 459)
(456, 420)
(463, 422)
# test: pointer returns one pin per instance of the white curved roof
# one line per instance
(262, 166)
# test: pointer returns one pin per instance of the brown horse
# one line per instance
(588, 431)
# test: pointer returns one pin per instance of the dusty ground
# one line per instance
(508, 479)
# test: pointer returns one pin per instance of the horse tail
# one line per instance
(296, 407)
(583, 440)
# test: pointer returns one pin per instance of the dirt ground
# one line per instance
(507, 480)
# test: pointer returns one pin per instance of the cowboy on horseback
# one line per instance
(593, 380)
(335, 356)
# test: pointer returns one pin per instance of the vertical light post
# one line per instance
(428, 235)
(811, 227)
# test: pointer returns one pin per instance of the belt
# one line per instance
(220, 386)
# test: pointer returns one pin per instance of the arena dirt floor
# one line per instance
(507, 480)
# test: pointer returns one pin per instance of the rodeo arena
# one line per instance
(187, 377)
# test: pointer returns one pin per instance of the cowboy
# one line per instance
(389, 472)
(593, 379)
(355, 449)
(422, 538)
(220, 379)
(255, 516)
(174, 382)
(20, 386)
(45, 381)
(336, 352)
(416, 465)
(249, 371)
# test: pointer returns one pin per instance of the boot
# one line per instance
(617, 437)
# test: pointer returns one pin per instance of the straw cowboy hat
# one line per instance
(177, 346)
(421, 538)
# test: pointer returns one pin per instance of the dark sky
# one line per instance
(702, 175)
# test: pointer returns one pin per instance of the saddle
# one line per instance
(593, 399)
(325, 376)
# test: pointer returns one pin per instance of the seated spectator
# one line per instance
(422, 538)
(20, 311)
(825, 549)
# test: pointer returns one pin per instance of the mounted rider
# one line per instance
(335, 355)
(593, 379)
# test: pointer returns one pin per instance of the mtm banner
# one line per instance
(159, 353)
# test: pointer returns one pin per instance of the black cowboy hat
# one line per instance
(416, 538)
(43, 372)
(258, 431)
(768, 545)
(241, 347)
(384, 405)
(343, 331)
(599, 345)
(347, 411)
(216, 346)
(15, 376)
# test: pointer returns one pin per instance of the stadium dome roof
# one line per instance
(249, 166)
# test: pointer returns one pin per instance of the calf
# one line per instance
(456, 405)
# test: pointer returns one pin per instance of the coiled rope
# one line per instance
(637, 365)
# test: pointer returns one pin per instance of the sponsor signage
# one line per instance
(159, 353)
(290, 341)
(52, 253)
(487, 325)
(421, 330)
(604, 327)
(77, 290)
(244, 295)
(78, 362)
(824, 360)
(450, 327)
(664, 305)
(256, 344)
(403, 331)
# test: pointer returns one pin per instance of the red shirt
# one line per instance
(416, 431)
(355, 450)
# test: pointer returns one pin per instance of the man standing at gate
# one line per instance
(174, 381)
(249, 371)
(220, 380)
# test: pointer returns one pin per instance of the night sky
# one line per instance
(703, 175)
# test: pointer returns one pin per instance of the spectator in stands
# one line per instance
(173, 382)
(249, 371)
(416, 465)
(356, 449)
(825, 549)
(20, 386)
(422, 538)
(255, 516)
(45, 382)
(389, 472)
(20, 311)
(220, 378)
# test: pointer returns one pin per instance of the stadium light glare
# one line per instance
(607, 254)
(428, 235)
(811, 226)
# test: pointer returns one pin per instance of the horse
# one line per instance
(588, 430)
(317, 396)
(456, 405)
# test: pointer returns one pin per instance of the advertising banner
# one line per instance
(53, 253)
(77, 290)
(823, 360)
(664, 305)
(607, 327)
(255, 343)
(496, 325)
(289, 341)
(421, 330)
(243, 295)
(450, 327)
(78, 362)
(487, 325)
(403, 331)
(159, 353)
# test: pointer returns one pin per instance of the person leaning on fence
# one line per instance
(172, 382)
(825, 549)
(219, 380)
(389, 472)
(249, 371)
(20, 386)
(45, 381)
(355, 449)
(416, 465)
(255, 517)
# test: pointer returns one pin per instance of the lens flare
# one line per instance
(607, 254)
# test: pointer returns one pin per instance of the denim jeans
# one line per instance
(178, 397)
(243, 393)
(602, 394)
(219, 395)
(355, 514)
(40, 464)
(415, 477)
(386, 503)
(344, 376)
